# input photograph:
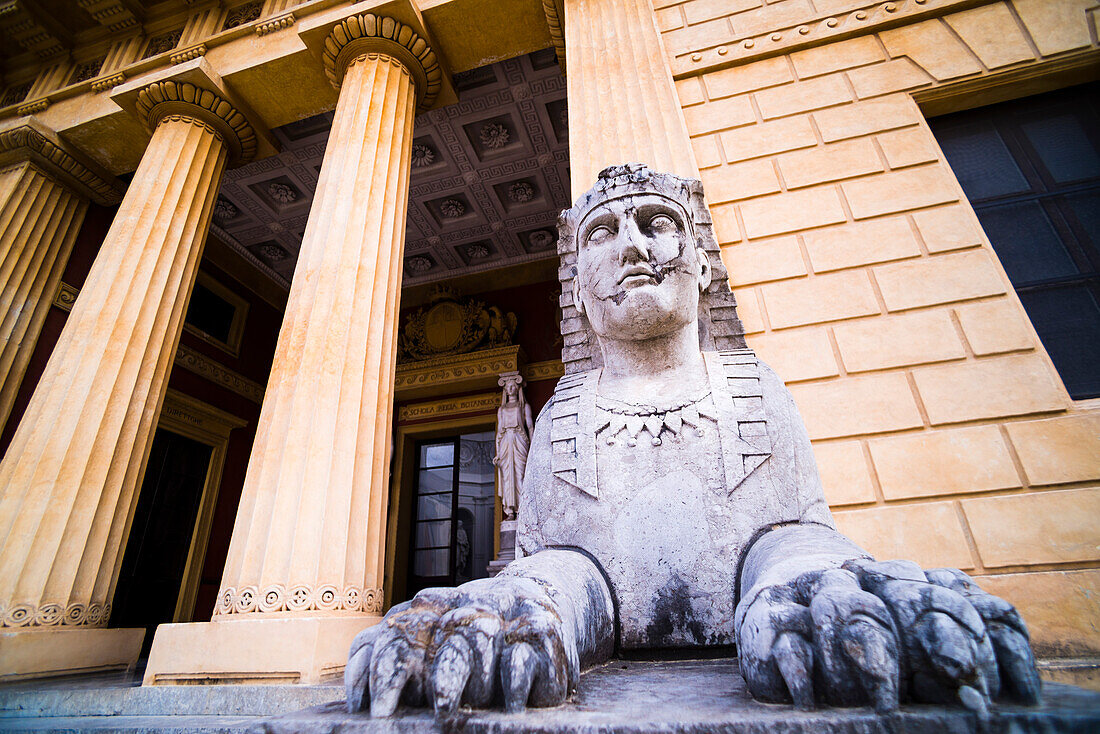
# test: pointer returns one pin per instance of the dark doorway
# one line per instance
(455, 490)
(160, 536)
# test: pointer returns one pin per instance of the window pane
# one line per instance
(434, 507)
(1063, 147)
(437, 454)
(1068, 321)
(476, 503)
(1087, 208)
(436, 480)
(432, 562)
(1026, 242)
(210, 313)
(433, 534)
(981, 161)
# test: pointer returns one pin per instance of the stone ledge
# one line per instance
(700, 696)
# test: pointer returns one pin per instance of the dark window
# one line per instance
(210, 313)
(1031, 169)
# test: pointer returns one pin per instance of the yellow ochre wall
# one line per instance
(942, 431)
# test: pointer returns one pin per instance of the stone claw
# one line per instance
(873, 651)
(389, 673)
(518, 667)
(794, 657)
(356, 678)
(947, 648)
(450, 673)
(1019, 674)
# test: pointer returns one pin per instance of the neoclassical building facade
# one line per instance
(260, 260)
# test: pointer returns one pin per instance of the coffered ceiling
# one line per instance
(489, 176)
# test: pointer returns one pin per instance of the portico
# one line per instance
(310, 554)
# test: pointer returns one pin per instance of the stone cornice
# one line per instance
(219, 374)
(472, 370)
(165, 98)
(31, 141)
(369, 33)
(816, 30)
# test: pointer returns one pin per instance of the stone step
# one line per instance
(129, 724)
(160, 701)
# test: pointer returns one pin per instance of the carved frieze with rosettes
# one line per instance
(252, 599)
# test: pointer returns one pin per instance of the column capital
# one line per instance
(171, 99)
(368, 33)
(32, 141)
(194, 90)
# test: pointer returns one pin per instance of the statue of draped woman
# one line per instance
(514, 427)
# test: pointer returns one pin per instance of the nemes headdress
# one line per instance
(719, 327)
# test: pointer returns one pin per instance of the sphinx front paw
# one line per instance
(877, 633)
(491, 641)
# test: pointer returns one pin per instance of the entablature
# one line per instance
(262, 51)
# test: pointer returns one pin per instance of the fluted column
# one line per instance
(622, 102)
(307, 553)
(70, 476)
(39, 221)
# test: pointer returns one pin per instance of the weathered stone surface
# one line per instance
(700, 696)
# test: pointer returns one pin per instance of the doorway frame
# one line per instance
(191, 418)
(405, 439)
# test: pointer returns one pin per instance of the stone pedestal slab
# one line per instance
(267, 650)
(632, 697)
(59, 651)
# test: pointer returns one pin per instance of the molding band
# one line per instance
(163, 99)
(369, 33)
(29, 142)
(298, 598)
(52, 614)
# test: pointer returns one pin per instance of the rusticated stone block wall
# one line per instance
(942, 430)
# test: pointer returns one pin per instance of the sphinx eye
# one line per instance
(662, 223)
(598, 234)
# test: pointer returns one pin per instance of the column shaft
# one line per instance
(623, 106)
(309, 531)
(39, 221)
(71, 474)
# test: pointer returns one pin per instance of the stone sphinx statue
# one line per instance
(671, 500)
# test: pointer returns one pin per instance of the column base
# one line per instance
(253, 649)
(40, 652)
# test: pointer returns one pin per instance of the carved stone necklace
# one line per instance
(633, 418)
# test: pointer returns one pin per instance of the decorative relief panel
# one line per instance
(489, 176)
(452, 325)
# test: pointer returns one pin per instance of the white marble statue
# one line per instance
(514, 428)
(671, 500)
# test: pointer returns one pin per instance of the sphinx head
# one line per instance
(640, 265)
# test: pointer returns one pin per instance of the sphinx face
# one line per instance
(639, 271)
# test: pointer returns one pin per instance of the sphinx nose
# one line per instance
(633, 245)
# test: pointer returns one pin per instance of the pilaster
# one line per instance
(305, 565)
(622, 102)
(71, 473)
